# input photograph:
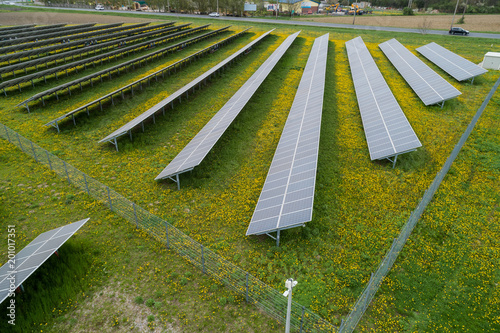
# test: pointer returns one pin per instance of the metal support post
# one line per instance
(246, 285)
(278, 238)
(166, 230)
(66, 169)
(7, 132)
(20, 144)
(302, 319)
(48, 159)
(394, 162)
(109, 199)
(135, 215)
(203, 260)
(369, 288)
(86, 184)
(34, 153)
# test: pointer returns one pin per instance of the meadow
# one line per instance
(446, 278)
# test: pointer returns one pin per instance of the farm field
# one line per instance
(475, 23)
(446, 278)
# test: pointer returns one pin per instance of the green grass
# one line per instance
(450, 261)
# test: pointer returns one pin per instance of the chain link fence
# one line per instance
(269, 300)
(376, 279)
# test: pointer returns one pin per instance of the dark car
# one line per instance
(458, 31)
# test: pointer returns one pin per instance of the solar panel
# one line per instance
(67, 32)
(18, 269)
(191, 85)
(98, 58)
(460, 68)
(93, 35)
(427, 84)
(41, 34)
(387, 131)
(131, 30)
(144, 79)
(196, 150)
(105, 46)
(287, 197)
(16, 30)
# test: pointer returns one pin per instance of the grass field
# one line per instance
(446, 278)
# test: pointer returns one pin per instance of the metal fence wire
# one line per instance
(269, 300)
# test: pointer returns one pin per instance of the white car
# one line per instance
(213, 14)
(99, 7)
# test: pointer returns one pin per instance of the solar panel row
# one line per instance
(6, 32)
(52, 41)
(69, 31)
(94, 59)
(16, 27)
(427, 84)
(142, 80)
(161, 105)
(122, 66)
(45, 34)
(388, 133)
(131, 29)
(460, 68)
(33, 256)
(197, 149)
(87, 50)
(287, 197)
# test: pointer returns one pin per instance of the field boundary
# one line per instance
(255, 292)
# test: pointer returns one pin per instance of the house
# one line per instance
(295, 6)
(140, 6)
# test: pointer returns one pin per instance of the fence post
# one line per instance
(246, 284)
(302, 318)
(66, 169)
(166, 229)
(109, 199)
(7, 132)
(86, 184)
(368, 293)
(202, 260)
(135, 214)
(48, 159)
(34, 153)
(20, 144)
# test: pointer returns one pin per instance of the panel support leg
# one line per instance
(394, 162)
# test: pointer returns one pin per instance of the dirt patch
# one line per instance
(477, 23)
(19, 18)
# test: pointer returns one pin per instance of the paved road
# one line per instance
(303, 23)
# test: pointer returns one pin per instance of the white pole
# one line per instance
(289, 308)
(289, 284)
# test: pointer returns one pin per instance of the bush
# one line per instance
(408, 11)
(150, 302)
(138, 300)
